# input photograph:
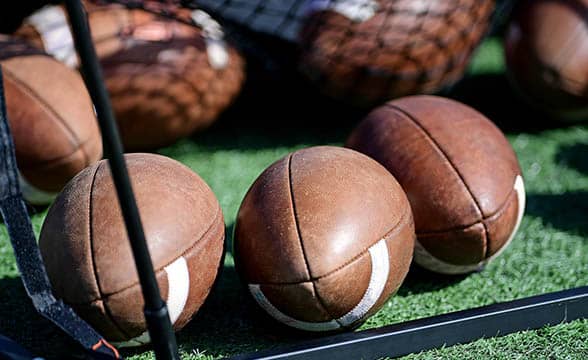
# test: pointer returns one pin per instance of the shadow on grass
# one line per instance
(567, 212)
(492, 95)
(419, 280)
(574, 156)
(20, 321)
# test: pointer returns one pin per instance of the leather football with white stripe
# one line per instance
(88, 256)
(323, 238)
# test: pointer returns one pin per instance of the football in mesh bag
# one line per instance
(88, 256)
(547, 56)
(323, 238)
(166, 79)
(51, 118)
(460, 174)
(369, 51)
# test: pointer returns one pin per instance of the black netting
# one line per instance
(360, 51)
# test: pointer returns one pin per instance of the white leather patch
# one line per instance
(356, 10)
(519, 187)
(51, 23)
(216, 47)
(380, 271)
(178, 279)
(430, 262)
(258, 295)
(33, 195)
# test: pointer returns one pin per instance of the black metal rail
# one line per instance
(156, 313)
(443, 330)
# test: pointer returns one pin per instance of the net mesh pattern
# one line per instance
(363, 51)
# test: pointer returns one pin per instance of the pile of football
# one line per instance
(325, 235)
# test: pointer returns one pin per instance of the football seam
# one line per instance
(74, 140)
(451, 164)
(299, 235)
(364, 252)
(498, 212)
(107, 312)
(204, 236)
(59, 160)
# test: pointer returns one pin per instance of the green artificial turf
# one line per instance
(550, 252)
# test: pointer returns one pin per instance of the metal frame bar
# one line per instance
(156, 312)
(444, 330)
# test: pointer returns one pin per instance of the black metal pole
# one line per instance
(156, 313)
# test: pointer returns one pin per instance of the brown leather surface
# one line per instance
(351, 280)
(64, 244)
(298, 300)
(273, 226)
(500, 226)
(84, 229)
(335, 196)
(313, 215)
(400, 254)
(407, 47)
(157, 72)
(460, 246)
(457, 169)
(547, 54)
(51, 118)
(203, 261)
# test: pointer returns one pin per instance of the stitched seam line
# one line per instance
(58, 161)
(29, 91)
(349, 262)
(291, 190)
(206, 234)
(500, 210)
(91, 238)
(447, 159)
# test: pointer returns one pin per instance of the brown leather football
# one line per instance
(51, 118)
(460, 174)
(369, 51)
(547, 56)
(88, 256)
(323, 238)
(166, 79)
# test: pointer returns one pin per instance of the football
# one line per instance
(546, 49)
(167, 79)
(88, 256)
(460, 174)
(323, 238)
(51, 118)
(369, 51)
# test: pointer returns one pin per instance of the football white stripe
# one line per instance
(428, 261)
(519, 187)
(380, 271)
(356, 10)
(178, 279)
(258, 295)
(51, 23)
(216, 47)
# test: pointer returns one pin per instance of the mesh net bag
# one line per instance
(169, 70)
